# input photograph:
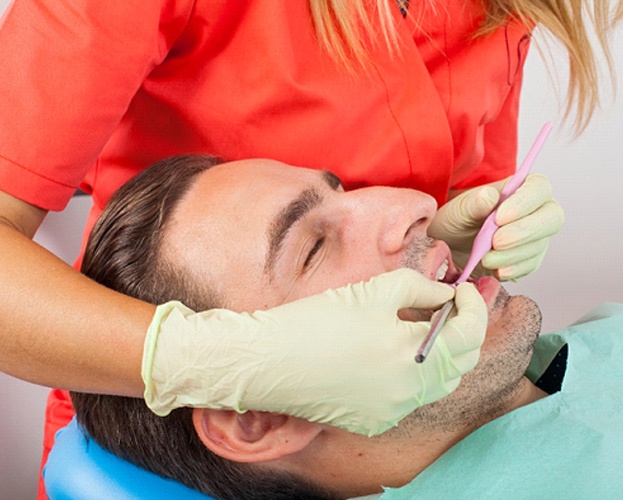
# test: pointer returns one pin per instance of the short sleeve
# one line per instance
(70, 69)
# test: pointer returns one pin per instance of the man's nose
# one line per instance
(394, 217)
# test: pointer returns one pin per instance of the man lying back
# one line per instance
(254, 234)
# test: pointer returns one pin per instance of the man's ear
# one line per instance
(254, 436)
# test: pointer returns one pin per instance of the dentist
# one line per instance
(381, 93)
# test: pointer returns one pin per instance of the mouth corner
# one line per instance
(489, 288)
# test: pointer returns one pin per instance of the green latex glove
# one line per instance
(527, 220)
(342, 357)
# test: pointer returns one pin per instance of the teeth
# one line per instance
(441, 272)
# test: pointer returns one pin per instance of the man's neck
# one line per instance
(525, 394)
(529, 394)
(397, 457)
(432, 445)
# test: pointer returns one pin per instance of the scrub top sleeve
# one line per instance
(500, 141)
(69, 72)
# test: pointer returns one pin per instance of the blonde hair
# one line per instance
(346, 27)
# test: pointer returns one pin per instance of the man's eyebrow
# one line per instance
(331, 179)
(285, 219)
(291, 214)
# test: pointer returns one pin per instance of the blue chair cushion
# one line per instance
(79, 469)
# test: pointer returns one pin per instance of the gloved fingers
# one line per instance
(465, 331)
(467, 361)
(534, 192)
(457, 348)
(390, 291)
(461, 363)
(464, 213)
(519, 270)
(440, 369)
(498, 259)
(543, 223)
(404, 288)
(448, 368)
(476, 204)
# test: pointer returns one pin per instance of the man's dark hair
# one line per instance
(124, 253)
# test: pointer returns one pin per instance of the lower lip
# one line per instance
(488, 288)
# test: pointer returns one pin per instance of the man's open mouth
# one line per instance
(447, 271)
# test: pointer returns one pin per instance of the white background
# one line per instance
(582, 269)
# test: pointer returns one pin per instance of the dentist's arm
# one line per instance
(527, 220)
(57, 327)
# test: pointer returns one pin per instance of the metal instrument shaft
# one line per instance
(435, 328)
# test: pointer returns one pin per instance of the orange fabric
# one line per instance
(211, 77)
(92, 95)
(59, 411)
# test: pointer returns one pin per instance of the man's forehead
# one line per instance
(243, 182)
(239, 199)
(259, 169)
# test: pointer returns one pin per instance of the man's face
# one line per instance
(259, 225)
(268, 233)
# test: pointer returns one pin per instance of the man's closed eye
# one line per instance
(310, 256)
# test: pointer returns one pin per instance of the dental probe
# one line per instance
(484, 240)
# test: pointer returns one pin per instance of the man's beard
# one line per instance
(487, 391)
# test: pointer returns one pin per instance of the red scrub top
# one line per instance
(91, 94)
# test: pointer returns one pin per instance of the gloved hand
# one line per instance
(342, 357)
(527, 219)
